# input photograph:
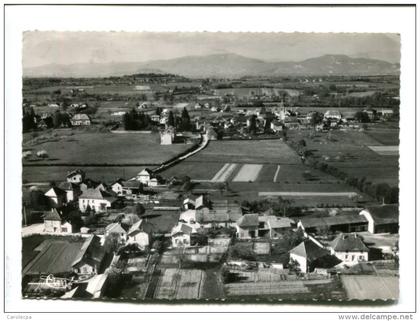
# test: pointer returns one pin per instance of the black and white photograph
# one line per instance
(176, 166)
(218, 165)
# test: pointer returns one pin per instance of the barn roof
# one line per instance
(309, 250)
(114, 228)
(53, 256)
(310, 222)
(348, 242)
(52, 215)
(248, 220)
(81, 117)
(277, 222)
(384, 214)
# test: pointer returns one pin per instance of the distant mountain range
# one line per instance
(223, 66)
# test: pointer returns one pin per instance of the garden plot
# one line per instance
(224, 173)
(179, 284)
(265, 288)
(371, 287)
(385, 150)
(248, 173)
(189, 286)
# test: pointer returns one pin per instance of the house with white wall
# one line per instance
(349, 248)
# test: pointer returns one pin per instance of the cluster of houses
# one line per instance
(190, 224)
(96, 196)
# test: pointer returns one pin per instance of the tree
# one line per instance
(56, 118)
(362, 117)
(267, 125)
(28, 120)
(171, 119)
(185, 124)
(393, 196)
(316, 118)
(382, 191)
(253, 125)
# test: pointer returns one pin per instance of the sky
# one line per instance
(65, 48)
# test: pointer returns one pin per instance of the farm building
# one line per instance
(89, 259)
(345, 223)
(71, 191)
(62, 256)
(310, 254)
(247, 226)
(275, 225)
(117, 186)
(77, 176)
(382, 219)
(97, 200)
(211, 134)
(167, 136)
(181, 235)
(276, 126)
(53, 223)
(131, 187)
(332, 115)
(385, 113)
(144, 176)
(80, 120)
(349, 248)
(162, 219)
(188, 216)
(269, 226)
(93, 289)
(142, 88)
(115, 229)
(188, 203)
(57, 196)
(222, 213)
(140, 233)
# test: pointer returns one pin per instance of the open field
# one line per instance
(371, 287)
(385, 134)
(224, 173)
(248, 173)
(252, 152)
(385, 150)
(349, 151)
(304, 194)
(206, 164)
(280, 171)
(266, 288)
(71, 146)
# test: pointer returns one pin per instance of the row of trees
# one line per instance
(182, 123)
(134, 120)
(380, 191)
